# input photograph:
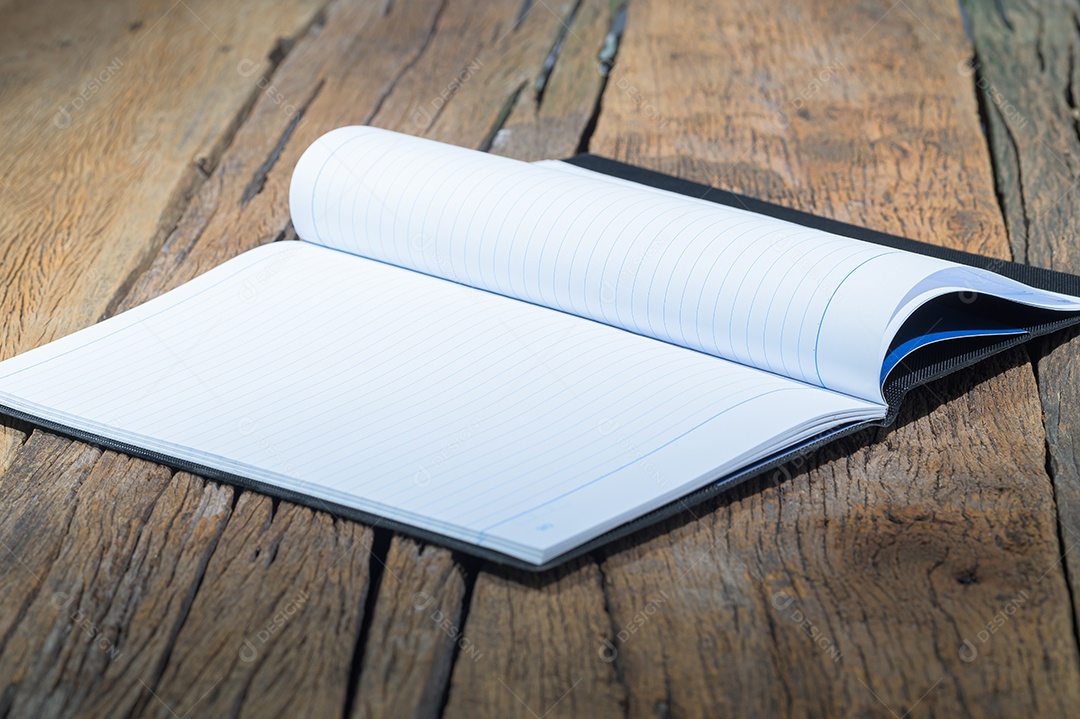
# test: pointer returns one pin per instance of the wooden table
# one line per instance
(926, 570)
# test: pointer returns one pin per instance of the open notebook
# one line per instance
(521, 360)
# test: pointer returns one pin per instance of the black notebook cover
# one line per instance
(927, 364)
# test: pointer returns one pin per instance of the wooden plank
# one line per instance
(98, 160)
(113, 114)
(104, 554)
(275, 622)
(535, 638)
(1025, 76)
(818, 102)
(890, 555)
(551, 115)
(415, 632)
(37, 489)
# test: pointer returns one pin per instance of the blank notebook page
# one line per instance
(760, 291)
(478, 417)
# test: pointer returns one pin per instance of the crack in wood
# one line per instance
(999, 5)
(1064, 546)
(523, 11)
(138, 708)
(408, 66)
(607, 56)
(540, 83)
(500, 120)
(613, 648)
(1036, 353)
(378, 553)
(987, 129)
(258, 180)
(471, 568)
(203, 167)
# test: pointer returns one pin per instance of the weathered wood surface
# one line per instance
(103, 555)
(1025, 72)
(845, 584)
(97, 161)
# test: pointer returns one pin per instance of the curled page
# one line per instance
(766, 293)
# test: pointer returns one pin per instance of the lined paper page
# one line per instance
(720, 280)
(441, 406)
(860, 306)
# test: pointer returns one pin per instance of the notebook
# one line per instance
(524, 360)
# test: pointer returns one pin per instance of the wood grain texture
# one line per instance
(537, 637)
(1025, 74)
(106, 560)
(855, 111)
(273, 627)
(97, 160)
(98, 155)
(415, 633)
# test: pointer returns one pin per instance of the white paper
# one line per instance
(445, 407)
